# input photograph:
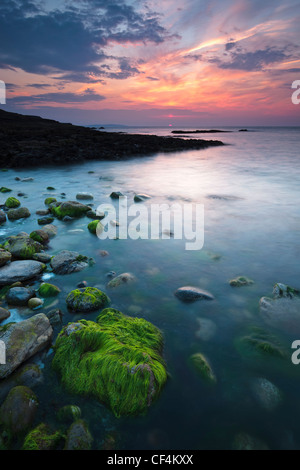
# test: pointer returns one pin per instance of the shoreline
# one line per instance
(29, 141)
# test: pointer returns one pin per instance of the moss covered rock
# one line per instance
(87, 299)
(69, 413)
(42, 438)
(79, 437)
(23, 247)
(5, 257)
(19, 213)
(202, 367)
(3, 189)
(50, 200)
(116, 359)
(72, 209)
(19, 409)
(48, 290)
(260, 343)
(40, 236)
(95, 227)
(241, 281)
(12, 203)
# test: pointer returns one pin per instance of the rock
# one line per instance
(27, 180)
(241, 281)
(103, 253)
(69, 413)
(95, 227)
(3, 189)
(202, 367)
(4, 314)
(259, 343)
(122, 279)
(51, 230)
(111, 274)
(87, 300)
(5, 257)
(45, 220)
(79, 437)
(12, 203)
(19, 409)
(72, 209)
(2, 217)
(23, 340)
(84, 196)
(29, 375)
(35, 303)
(283, 311)
(42, 257)
(243, 441)
(40, 236)
(43, 438)
(49, 200)
(20, 213)
(23, 247)
(20, 271)
(54, 316)
(50, 188)
(141, 197)
(67, 262)
(43, 212)
(116, 195)
(67, 218)
(266, 393)
(95, 215)
(207, 329)
(121, 352)
(48, 290)
(191, 294)
(82, 284)
(19, 296)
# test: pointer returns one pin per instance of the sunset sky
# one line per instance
(149, 62)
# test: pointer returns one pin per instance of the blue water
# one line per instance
(250, 193)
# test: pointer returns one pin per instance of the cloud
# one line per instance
(72, 39)
(252, 61)
(62, 98)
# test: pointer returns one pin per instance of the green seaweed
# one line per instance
(203, 368)
(116, 359)
(41, 438)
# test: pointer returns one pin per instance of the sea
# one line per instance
(248, 193)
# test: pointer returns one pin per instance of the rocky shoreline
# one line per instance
(28, 141)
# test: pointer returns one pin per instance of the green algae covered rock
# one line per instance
(241, 281)
(19, 409)
(70, 208)
(95, 227)
(202, 367)
(69, 413)
(23, 247)
(79, 437)
(12, 203)
(260, 343)
(42, 438)
(116, 359)
(87, 299)
(48, 290)
(49, 200)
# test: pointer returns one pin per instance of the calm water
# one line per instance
(252, 228)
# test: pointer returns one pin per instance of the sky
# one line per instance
(153, 63)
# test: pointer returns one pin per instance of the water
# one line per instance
(250, 193)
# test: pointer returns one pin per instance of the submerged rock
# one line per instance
(87, 299)
(207, 329)
(116, 359)
(266, 393)
(19, 409)
(283, 311)
(241, 281)
(141, 197)
(202, 367)
(260, 343)
(243, 441)
(20, 271)
(48, 290)
(79, 437)
(191, 294)
(43, 438)
(121, 279)
(69, 413)
(67, 262)
(23, 340)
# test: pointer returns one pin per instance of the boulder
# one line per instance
(5, 257)
(40, 236)
(116, 359)
(72, 209)
(121, 279)
(84, 196)
(78, 437)
(20, 213)
(18, 410)
(23, 247)
(12, 203)
(67, 262)
(191, 294)
(87, 299)
(51, 230)
(19, 296)
(23, 340)
(48, 290)
(20, 271)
